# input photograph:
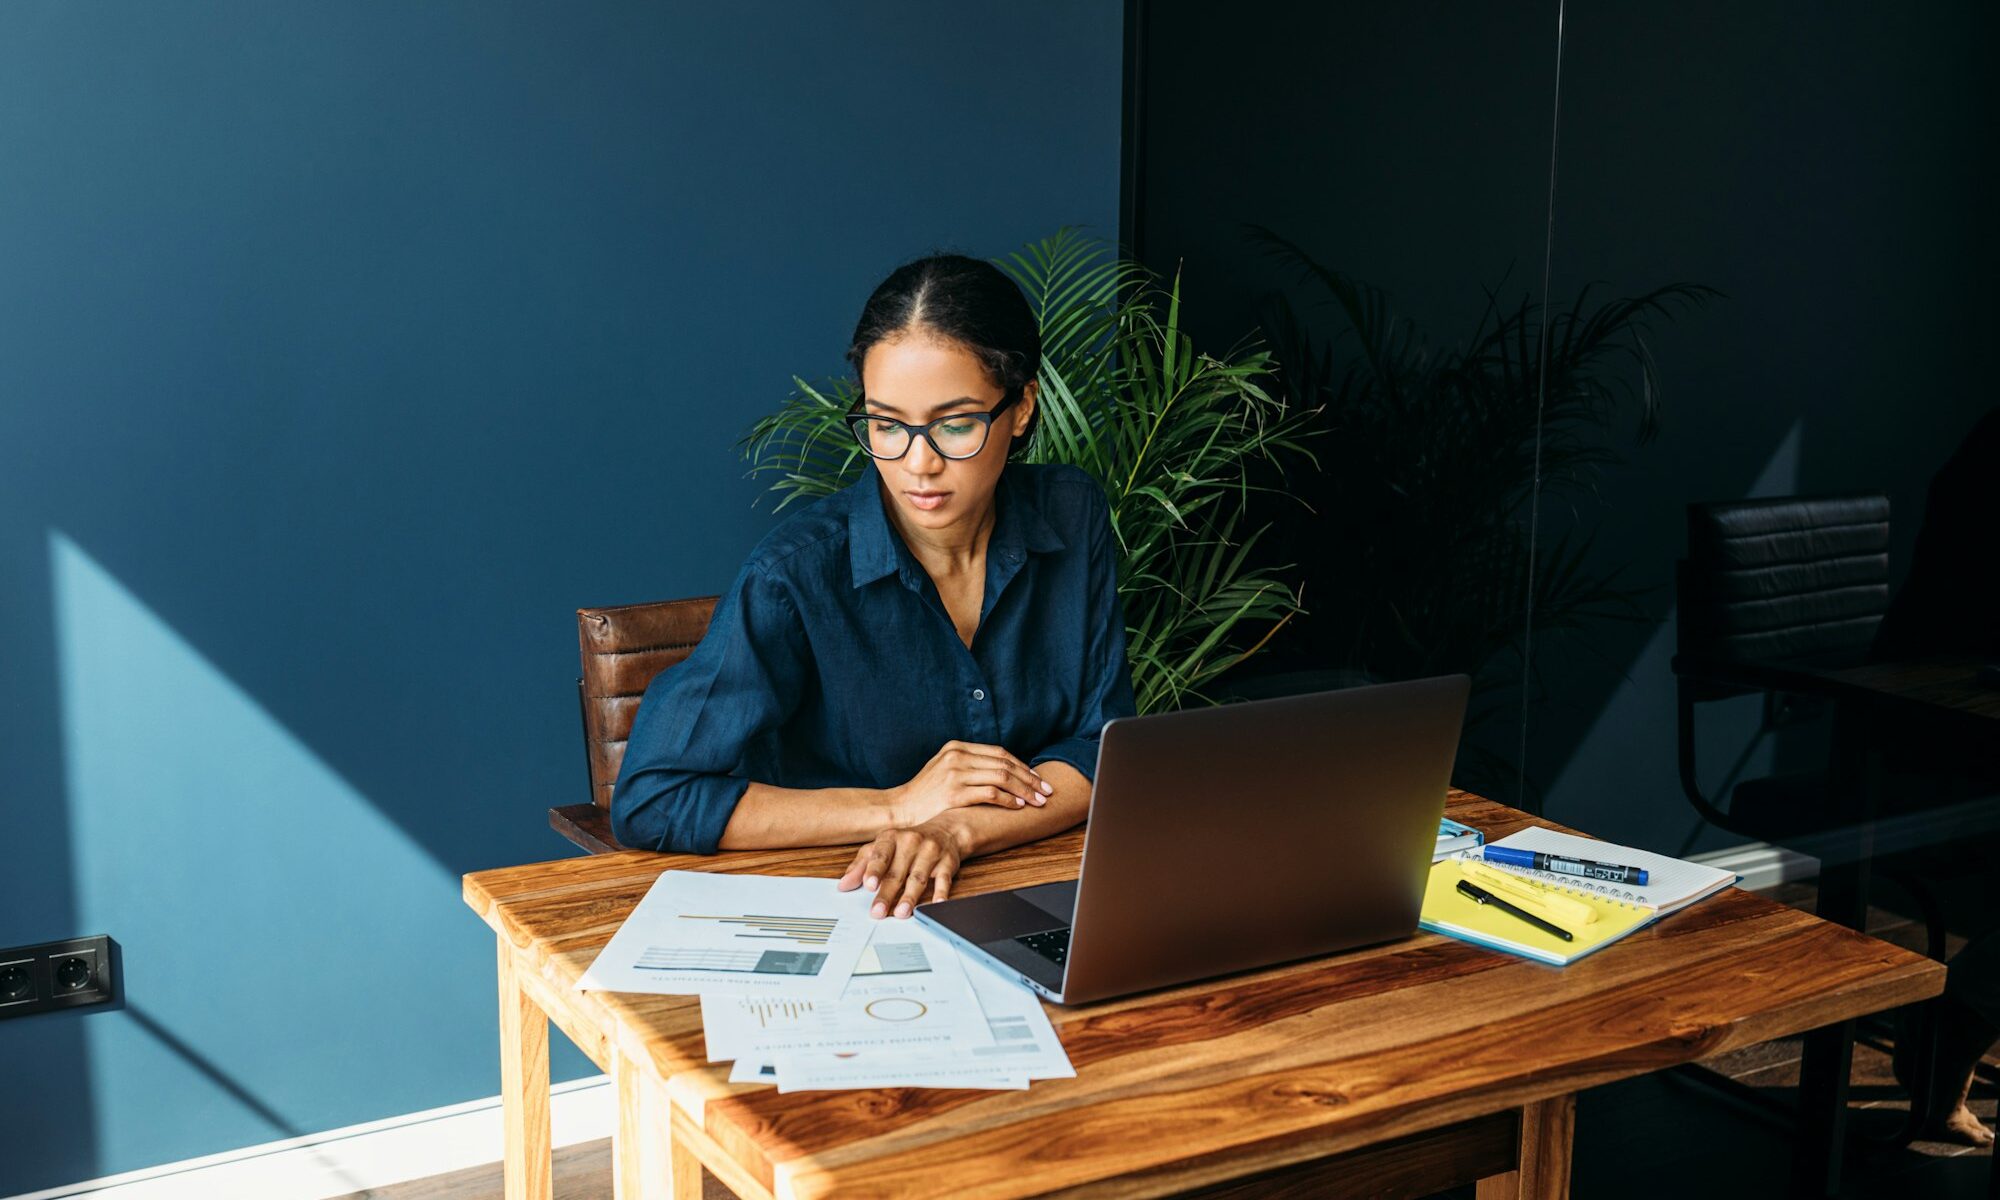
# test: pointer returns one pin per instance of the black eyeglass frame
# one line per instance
(857, 422)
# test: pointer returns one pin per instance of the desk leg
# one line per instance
(648, 1162)
(1547, 1129)
(1827, 1061)
(1827, 1056)
(524, 1088)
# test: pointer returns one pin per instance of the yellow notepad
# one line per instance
(1448, 912)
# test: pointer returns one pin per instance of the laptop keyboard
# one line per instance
(1053, 945)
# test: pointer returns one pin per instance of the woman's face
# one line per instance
(918, 379)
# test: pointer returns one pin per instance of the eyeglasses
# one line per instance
(960, 435)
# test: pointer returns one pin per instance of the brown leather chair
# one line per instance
(623, 648)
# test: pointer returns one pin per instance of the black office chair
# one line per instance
(1770, 586)
(1767, 587)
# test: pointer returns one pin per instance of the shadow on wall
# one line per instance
(294, 960)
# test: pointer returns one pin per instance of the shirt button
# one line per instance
(979, 693)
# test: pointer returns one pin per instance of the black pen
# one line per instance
(1480, 895)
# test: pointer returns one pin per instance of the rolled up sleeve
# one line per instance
(683, 769)
(1109, 692)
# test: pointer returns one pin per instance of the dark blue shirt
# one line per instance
(832, 662)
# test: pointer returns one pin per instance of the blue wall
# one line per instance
(345, 349)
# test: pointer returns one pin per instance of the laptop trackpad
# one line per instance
(1056, 899)
(998, 916)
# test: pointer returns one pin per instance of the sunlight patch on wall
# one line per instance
(303, 963)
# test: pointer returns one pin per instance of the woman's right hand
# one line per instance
(961, 774)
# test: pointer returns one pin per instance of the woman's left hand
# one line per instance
(902, 866)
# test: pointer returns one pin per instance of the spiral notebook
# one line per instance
(1671, 882)
(1620, 909)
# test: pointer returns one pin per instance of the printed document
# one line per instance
(1023, 1046)
(907, 992)
(697, 933)
(1024, 1042)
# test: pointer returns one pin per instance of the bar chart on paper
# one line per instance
(776, 1013)
(743, 935)
(800, 931)
(754, 962)
(807, 931)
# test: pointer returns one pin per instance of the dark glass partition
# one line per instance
(1644, 348)
(1364, 190)
(1830, 170)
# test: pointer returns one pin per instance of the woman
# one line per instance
(920, 663)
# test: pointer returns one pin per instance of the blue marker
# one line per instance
(1609, 872)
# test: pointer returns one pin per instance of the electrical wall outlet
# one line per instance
(68, 974)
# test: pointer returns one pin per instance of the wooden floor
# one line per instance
(1663, 1128)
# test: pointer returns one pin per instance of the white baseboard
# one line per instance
(359, 1157)
(1760, 864)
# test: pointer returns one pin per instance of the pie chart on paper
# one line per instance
(896, 1008)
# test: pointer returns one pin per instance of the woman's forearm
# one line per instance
(769, 817)
(985, 829)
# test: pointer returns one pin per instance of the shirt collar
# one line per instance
(875, 549)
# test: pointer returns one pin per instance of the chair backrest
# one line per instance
(623, 649)
(1799, 577)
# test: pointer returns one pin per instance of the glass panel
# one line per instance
(1364, 191)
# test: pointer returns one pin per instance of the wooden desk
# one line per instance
(1397, 1069)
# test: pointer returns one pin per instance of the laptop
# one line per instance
(1233, 837)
